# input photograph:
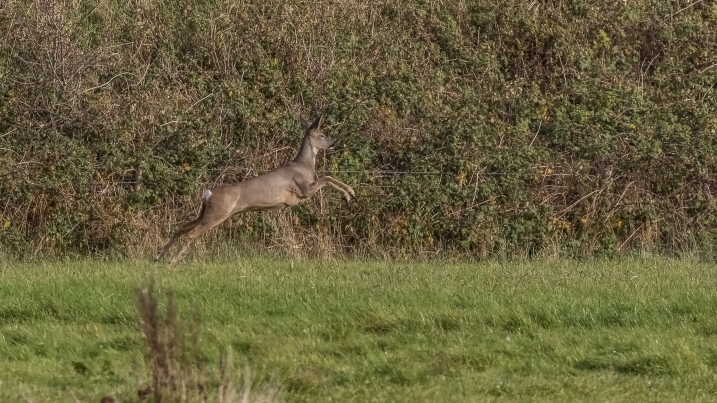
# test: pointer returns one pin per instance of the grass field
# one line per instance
(623, 330)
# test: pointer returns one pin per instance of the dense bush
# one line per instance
(478, 127)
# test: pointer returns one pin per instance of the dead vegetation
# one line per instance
(174, 352)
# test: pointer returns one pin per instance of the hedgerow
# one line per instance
(481, 128)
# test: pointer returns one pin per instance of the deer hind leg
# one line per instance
(181, 231)
(193, 234)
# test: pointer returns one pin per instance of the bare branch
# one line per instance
(108, 82)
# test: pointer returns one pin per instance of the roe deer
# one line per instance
(283, 187)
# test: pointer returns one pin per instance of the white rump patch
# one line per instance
(207, 194)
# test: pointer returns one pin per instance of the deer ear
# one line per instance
(304, 124)
(315, 125)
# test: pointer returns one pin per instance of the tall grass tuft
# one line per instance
(174, 355)
(176, 359)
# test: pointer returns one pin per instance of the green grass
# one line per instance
(625, 330)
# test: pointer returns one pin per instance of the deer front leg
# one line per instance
(347, 195)
(336, 184)
(308, 190)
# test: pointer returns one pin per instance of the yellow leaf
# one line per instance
(6, 225)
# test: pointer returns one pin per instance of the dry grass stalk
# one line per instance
(175, 356)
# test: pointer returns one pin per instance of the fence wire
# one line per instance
(376, 175)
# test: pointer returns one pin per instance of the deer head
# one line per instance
(317, 137)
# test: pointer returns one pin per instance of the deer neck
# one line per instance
(307, 153)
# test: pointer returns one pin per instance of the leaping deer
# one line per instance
(283, 187)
